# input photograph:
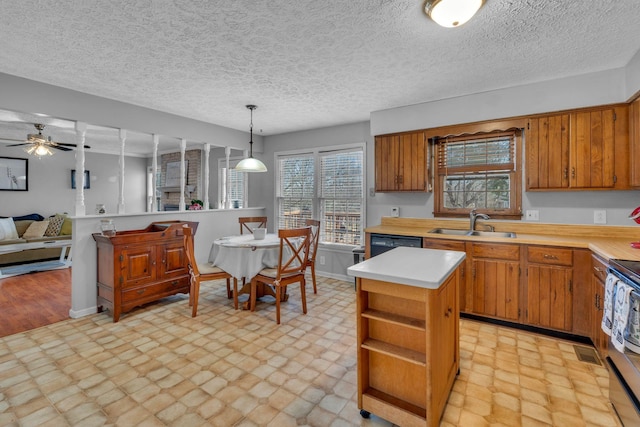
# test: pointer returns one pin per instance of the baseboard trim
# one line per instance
(548, 332)
(84, 312)
(334, 276)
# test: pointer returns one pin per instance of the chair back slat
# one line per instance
(294, 244)
(247, 221)
(315, 233)
(188, 246)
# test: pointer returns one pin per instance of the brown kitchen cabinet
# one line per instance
(136, 267)
(495, 280)
(549, 287)
(599, 338)
(576, 150)
(407, 335)
(453, 245)
(401, 162)
(634, 143)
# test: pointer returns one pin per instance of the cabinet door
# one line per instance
(634, 139)
(172, 260)
(412, 162)
(599, 338)
(547, 152)
(495, 287)
(386, 162)
(549, 299)
(138, 265)
(453, 245)
(593, 149)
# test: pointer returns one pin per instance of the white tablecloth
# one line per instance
(243, 256)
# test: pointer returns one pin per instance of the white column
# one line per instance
(123, 137)
(227, 181)
(156, 140)
(183, 147)
(81, 131)
(205, 179)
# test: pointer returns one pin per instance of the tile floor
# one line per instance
(158, 366)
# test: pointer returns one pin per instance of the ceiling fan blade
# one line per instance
(57, 147)
(70, 145)
(18, 145)
(12, 139)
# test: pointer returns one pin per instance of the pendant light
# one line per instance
(250, 164)
(452, 13)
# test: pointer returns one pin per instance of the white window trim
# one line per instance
(222, 163)
(316, 151)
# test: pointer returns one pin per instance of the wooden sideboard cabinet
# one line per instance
(136, 267)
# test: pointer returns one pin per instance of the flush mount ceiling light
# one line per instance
(250, 164)
(452, 13)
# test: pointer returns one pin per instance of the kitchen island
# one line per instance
(408, 333)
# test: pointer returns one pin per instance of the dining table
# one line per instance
(243, 257)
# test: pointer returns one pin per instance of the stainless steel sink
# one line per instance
(491, 234)
(454, 232)
(449, 231)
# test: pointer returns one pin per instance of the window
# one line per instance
(324, 184)
(237, 184)
(480, 171)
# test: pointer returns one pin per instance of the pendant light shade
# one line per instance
(250, 164)
(452, 13)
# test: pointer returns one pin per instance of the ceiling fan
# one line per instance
(40, 144)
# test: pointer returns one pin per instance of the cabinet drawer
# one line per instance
(548, 255)
(157, 290)
(599, 267)
(451, 245)
(497, 251)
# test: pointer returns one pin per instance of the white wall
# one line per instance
(50, 184)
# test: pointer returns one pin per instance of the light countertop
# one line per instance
(423, 268)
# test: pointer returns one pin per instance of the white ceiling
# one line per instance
(305, 63)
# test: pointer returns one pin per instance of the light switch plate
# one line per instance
(395, 211)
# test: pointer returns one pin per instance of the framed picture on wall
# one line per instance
(172, 176)
(14, 174)
(87, 182)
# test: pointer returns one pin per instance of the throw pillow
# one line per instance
(36, 229)
(8, 229)
(67, 227)
(55, 224)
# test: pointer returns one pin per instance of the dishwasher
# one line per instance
(381, 243)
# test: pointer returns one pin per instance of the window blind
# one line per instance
(295, 190)
(474, 153)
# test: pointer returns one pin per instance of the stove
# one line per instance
(624, 366)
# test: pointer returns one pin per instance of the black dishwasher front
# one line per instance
(385, 242)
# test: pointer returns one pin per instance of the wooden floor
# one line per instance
(32, 300)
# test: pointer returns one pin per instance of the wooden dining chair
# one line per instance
(292, 263)
(313, 248)
(204, 272)
(245, 221)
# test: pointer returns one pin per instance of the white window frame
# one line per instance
(316, 203)
(222, 164)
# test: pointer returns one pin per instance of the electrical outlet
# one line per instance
(321, 259)
(372, 192)
(599, 217)
(533, 215)
(395, 211)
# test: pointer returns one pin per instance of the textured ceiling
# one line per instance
(305, 63)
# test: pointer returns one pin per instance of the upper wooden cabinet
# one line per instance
(577, 150)
(401, 162)
(634, 140)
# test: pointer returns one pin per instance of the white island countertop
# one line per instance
(423, 268)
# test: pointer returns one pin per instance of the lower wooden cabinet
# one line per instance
(495, 280)
(408, 352)
(453, 245)
(599, 338)
(549, 287)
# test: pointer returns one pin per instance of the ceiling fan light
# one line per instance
(250, 164)
(452, 13)
(39, 150)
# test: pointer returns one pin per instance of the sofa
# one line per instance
(32, 228)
